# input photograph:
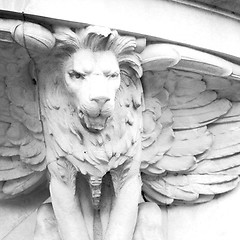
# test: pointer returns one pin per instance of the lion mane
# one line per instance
(92, 153)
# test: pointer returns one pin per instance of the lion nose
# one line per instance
(100, 100)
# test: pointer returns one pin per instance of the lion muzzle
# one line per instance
(94, 124)
(97, 112)
(100, 100)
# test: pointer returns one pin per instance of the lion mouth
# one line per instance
(93, 124)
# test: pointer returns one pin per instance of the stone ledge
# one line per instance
(165, 21)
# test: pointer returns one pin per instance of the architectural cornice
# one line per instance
(178, 22)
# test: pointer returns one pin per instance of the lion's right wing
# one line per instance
(191, 144)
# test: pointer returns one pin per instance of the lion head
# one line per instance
(94, 59)
(90, 97)
(93, 79)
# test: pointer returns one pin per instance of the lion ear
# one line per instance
(66, 39)
(104, 41)
(98, 30)
(95, 37)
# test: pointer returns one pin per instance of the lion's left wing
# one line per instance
(191, 144)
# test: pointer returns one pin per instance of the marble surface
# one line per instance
(18, 217)
(216, 220)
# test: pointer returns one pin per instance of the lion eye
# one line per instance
(77, 75)
(114, 75)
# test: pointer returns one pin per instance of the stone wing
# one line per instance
(191, 129)
(22, 147)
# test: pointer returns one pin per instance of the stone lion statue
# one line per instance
(112, 142)
(92, 108)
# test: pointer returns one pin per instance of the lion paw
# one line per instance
(149, 223)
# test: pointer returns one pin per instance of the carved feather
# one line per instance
(155, 196)
(20, 185)
(197, 117)
(224, 144)
(218, 165)
(225, 88)
(199, 144)
(200, 100)
(233, 115)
